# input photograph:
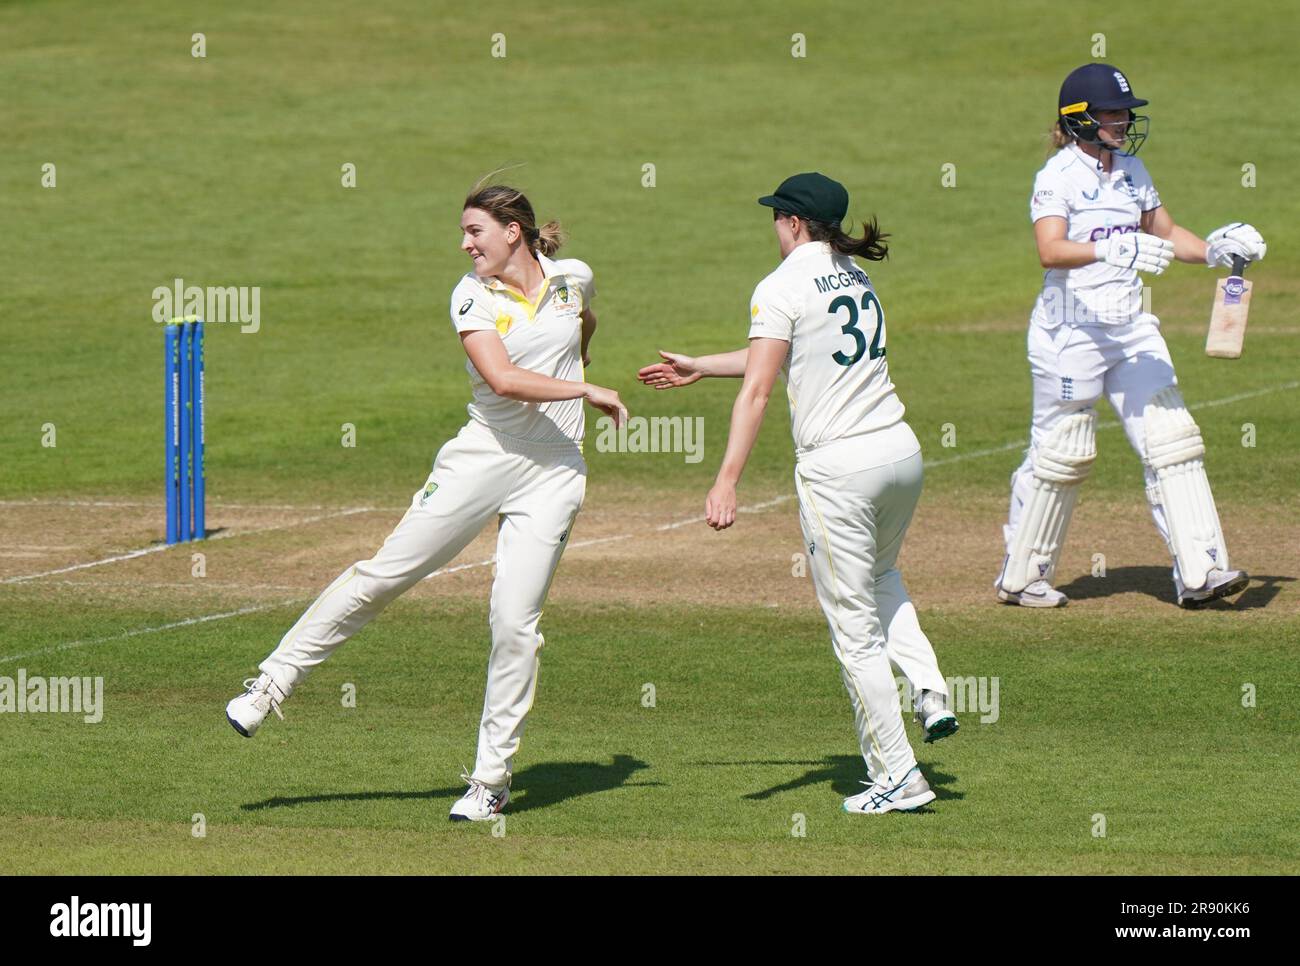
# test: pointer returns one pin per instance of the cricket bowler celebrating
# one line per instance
(858, 471)
(525, 322)
(1098, 222)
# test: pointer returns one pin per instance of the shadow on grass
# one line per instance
(537, 786)
(845, 773)
(1156, 582)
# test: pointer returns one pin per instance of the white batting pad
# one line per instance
(1061, 462)
(1176, 452)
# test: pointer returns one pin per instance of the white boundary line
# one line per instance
(756, 508)
(158, 548)
(10, 658)
(485, 563)
(142, 630)
(157, 504)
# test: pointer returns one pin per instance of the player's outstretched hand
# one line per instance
(607, 401)
(720, 506)
(1237, 239)
(1136, 250)
(677, 370)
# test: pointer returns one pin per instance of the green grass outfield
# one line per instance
(225, 171)
(750, 728)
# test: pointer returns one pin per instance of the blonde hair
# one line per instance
(1057, 139)
(507, 205)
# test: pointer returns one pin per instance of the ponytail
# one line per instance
(550, 237)
(870, 246)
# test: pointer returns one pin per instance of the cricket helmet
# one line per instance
(1100, 87)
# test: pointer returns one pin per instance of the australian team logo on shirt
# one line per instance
(568, 303)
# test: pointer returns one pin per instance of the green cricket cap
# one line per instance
(810, 195)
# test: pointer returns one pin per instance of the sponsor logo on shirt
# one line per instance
(1093, 196)
(1107, 230)
(1041, 196)
(465, 308)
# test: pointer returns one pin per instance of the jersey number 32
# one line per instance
(850, 327)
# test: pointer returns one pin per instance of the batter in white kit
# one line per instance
(1098, 222)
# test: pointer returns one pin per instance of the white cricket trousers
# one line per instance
(1072, 367)
(535, 492)
(854, 526)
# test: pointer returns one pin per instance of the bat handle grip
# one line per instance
(1239, 266)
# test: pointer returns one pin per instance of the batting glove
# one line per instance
(1237, 239)
(1136, 250)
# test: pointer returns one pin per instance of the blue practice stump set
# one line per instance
(183, 368)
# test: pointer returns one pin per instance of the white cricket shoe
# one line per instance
(1219, 583)
(933, 715)
(911, 793)
(479, 803)
(1038, 594)
(247, 712)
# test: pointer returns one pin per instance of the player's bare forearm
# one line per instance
(524, 385)
(488, 354)
(1188, 247)
(766, 355)
(681, 370)
(723, 365)
(746, 418)
(763, 363)
(1055, 250)
(588, 330)
(1066, 254)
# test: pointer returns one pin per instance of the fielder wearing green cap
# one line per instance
(1098, 223)
(812, 196)
(817, 319)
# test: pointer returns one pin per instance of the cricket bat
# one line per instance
(1228, 320)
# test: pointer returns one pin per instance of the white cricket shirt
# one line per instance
(844, 413)
(543, 336)
(1095, 205)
